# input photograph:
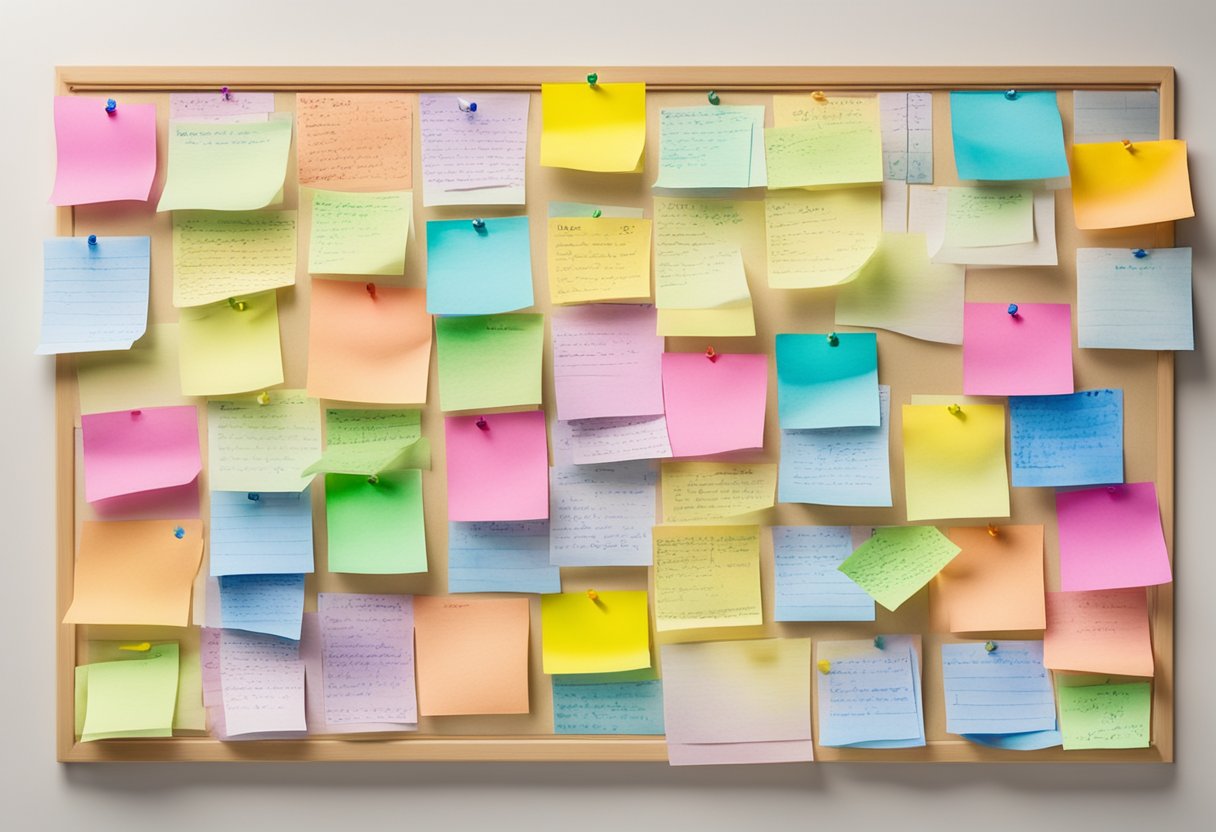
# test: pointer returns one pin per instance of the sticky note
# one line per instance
(355, 141)
(132, 698)
(893, 564)
(821, 238)
(711, 147)
(1102, 631)
(827, 381)
(375, 527)
(980, 217)
(838, 466)
(230, 349)
(607, 361)
(129, 451)
(738, 701)
(501, 472)
(806, 576)
(501, 557)
(998, 137)
(1025, 354)
(262, 681)
(1111, 538)
(225, 167)
(188, 713)
(1028, 741)
(1005, 691)
(601, 515)
(489, 360)
(714, 406)
(706, 576)
(581, 635)
(610, 439)
(473, 158)
(836, 141)
(365, 347)
(217, 255)
(870, 697)
(144, 376)
(270, 604)
(101, 156)
(900, 290)
(1106, 716)
(311, 654)
(262, 447)
(478, 271)
(603, 258)
(472, 655)
(260, 533)
(367, 651)
(932, 215)
(1115, 188)
(1134, 303)
(706, 491)
(629, 702)
(954, 464)
(1115, 115)
(596, 127)
(368, 442)
(1065, 440)
(357, 233)
(135, 572)
(94, 297)
(995, 583)
(209, 106)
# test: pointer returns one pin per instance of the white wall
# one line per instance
(36, 35)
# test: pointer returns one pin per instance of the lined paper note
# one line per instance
(907, 135)
(1067, 440)
(1024, 354)
(1106, 716)
(1112, 188)
(94, 297)
(473, 158)
(611, 439)
(217, 256)
(870, 696)
(489, 360)
(130, 451)
(596, 127)
(270, 604)
(711, 491)
(260, 533)
(893, 564)
(827, 381)
(1104, 631)
(263, 684)
(601, 515)
(1114, 115)
(583, 635)
(995, 583)
(1111, 538)
(356, 233)
(226, 349)
(376, 524)
(101, 157)
(225, 167)
(262, 447)
(501, 472)
(997, 137)
(806, 576)
(711, 147)
(706, 576)
(714, 406)
(606, 361)
(602, 258)
(600, 704)
(1134, 303)
(954, 463)
(1006, 691)
(368, 656)
(501, 557)
(355, 142)
(821, 238)
(478, 271)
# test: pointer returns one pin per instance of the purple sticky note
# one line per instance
(103, 156)
(129, 451)
(1023, 353)
(499, 471)
(1111, 538)
(607, 361)
(714, 405)
(367, 656)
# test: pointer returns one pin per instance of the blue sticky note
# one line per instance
(838, 466)
(807, 578)
(1001, 138)
(262, 533)
(271, 604)
(1073, 439)
(871, 697)
(827, 381)
(630, 702)
(1125, 302)
(501, 557)
(478, 271)
(1029, 741)
(1006, 691)
(94, 297)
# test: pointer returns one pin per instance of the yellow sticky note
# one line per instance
(954, 463)
(834, 140)
(706, 576)
(705, 491)
(229, 349)
(146, 375)
(580, 634)
(821, 238)
(219, 254)
(130, 698)
(1113, 187)
(600, 127)
(359, 233)
(601, 258)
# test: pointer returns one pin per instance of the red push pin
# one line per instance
(371, 290)
(710, 354)
(482, 424)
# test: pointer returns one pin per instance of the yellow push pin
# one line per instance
(824, 666)
(954, 409)
(141, 647)
(819, 96)
(992, 530)
(264, 397)
(1128, 146)
(238, 305)
(593, 595)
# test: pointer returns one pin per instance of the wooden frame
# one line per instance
(83, 80)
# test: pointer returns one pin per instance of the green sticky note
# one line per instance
(711, 147)
(225, 167)
(489, 360)
(370, 441)
(188, 714)
(359, 233)
(131, 698)
(1106, 716)
(376, 528)
(897, 561)
(978, 217)
(816, 155)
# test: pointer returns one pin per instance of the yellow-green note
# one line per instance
(370, 441)
(189, 713)
(224, 166)
(977, 217)
(489, 360)
(1105, 716)
(147, 375)
(376, 523)
(821, 238)
(359, 233)
(706, 576)
(131, 698)
(709, 491)
(897, 561)
(231, 346)
(221, 254)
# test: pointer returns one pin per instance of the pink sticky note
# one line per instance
(129, 451)
(714, 405)
(1028, 353)
(1111, 538)
(499, 472)
(607, 361)
(103, 157)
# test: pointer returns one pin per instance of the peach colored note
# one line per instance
(995, 583)
(1104, 631)
(356, 141)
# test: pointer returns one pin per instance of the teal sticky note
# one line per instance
(473, 270)
(629, 702)
(828, 381)
(1000, 138)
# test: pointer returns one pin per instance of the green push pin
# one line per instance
(597, 213)
(593, 78)
(989, 646)
(713, 98)
(238, 305)
(880, 642)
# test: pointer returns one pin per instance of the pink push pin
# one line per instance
(482, 424)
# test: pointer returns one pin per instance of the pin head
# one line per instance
(141, 647)
(1139, 253)
(992, 530)
(373, 480)
(593, 595)
(710, 354)
(227, 95)
(481, 423)
(136, 413)
(111, 106)
(264, 398)
(92, 239)
(179, 532)
(713, 98)
(466, 106)
(880, 642)
(238, 305)
(479, 224)
(1010, 95)
(1110, 489)
(824, 666)
(818, 95)
(954, 409)
(597, 213)
(371, 290)
(252, 496)
(593, 78)
(1012, 309)
(833, 339)
(1127, 145)
(989, 646)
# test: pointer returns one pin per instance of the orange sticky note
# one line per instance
(471, 655)
(1114, 187)
(355, 142)
(1103, 631)
(995, 582)
(368, 345)
(136, 572)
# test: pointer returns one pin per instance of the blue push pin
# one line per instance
(1139, 253)
(880, 642)
(92, 239)
(466, 106)
(111, 106)
(1013, 309)
(1010, 95)
(254, 497)
(179, 532)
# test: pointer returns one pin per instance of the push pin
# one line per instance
(989, 646)
(710, 354)
(141, 647)
(819, 96)
(1110, 489)
(373, 480)
(179, 532)
(264, 398)
(479, 225)
(226, 93)
(1128, 146)
(992, 530)
(1010, 95)
(238, 305)
(593, 595)
(1139, 253)
(371, 290)
(825, 666)
(596, 214)
(880, 642)
(833, 339)
(466, 106)
(93, 240)
(713, 98)
(111, 106)
(593, 78)
(954, 409)
(1012, 310)
(481, 423)
(253, 496)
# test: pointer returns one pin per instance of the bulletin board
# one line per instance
(908, 365)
